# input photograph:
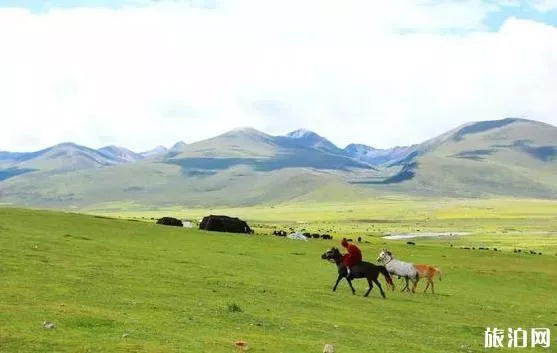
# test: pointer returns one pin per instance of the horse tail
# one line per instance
(438, 271)
(385, 273)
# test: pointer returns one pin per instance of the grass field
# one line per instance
(506, 223)
(118, 285)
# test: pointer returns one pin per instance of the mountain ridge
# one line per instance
(509, 157)
(295, 134)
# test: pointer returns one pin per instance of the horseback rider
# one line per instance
(352, 257)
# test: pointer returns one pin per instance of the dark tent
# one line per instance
(170, 221)
(224, 224)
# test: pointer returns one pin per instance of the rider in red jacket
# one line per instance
(352, 257)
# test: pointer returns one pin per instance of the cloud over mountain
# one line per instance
(383, 73)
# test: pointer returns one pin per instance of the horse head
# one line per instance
(331, 255)
(385, 256)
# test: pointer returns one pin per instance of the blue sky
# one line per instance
(525, 10)
(141, 73)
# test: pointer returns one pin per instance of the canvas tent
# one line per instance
(218, 223)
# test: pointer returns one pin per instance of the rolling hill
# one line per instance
(515, 157)
(508, 157)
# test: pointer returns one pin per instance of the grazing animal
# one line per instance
(399, 268)
(428, 272)
(410, 243)
(364, 269)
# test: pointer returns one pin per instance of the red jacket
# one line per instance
(353, 256)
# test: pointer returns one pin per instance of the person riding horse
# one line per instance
(352, 257)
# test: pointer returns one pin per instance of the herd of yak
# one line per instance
(282, 233)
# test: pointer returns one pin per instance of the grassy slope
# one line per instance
(115, 285)
(242, 143)
(162, 185)
(447, 176)
(479, 160)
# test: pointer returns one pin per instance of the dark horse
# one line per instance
(362, 270)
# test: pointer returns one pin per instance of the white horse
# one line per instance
(400, 268)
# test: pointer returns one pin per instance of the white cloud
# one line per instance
(144, 76)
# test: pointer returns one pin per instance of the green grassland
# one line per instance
(120, 285)
(495, 219)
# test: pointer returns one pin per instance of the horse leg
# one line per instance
(369, 288)
(380, 288)
(351, 287)
(427, 286)
(415, 284)
(432, 292)
(336, 284)
(406, 287)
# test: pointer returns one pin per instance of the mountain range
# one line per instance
(507, 157)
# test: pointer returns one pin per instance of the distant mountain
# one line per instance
(377, 156)
(62, 158)
(157, 151)
(14, 156)
(514, 157)
(65, 157)
(507, 157)
(178, 147)
(240, 143)
(120, 154)
(263, 152)
(310, 139)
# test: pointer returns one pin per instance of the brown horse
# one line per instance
(425, 271)
(428, 272)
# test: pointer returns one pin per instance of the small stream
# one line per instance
(402, 236)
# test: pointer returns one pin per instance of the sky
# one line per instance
(142, 73)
